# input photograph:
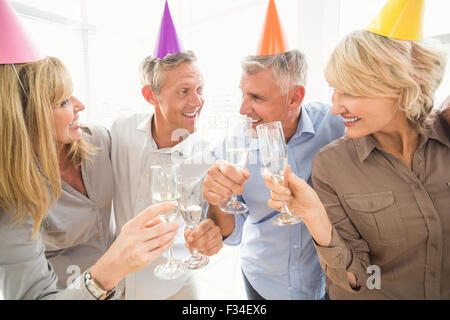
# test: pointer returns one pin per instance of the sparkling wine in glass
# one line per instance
(192, 215)
(237, 145)
(164, 188)
(274, 156)
(159, 197)
(191, 210)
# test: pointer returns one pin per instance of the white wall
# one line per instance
(104, 64)
(102, 42)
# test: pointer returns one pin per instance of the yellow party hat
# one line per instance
(399, 19)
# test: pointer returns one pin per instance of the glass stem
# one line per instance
(194, 252)
(284, 206)
(234, 199)
(285, 211)
(171, 259)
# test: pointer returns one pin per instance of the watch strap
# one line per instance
(97, 292)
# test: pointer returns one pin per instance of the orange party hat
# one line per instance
(273, 39)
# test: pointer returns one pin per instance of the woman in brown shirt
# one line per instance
(380, 212)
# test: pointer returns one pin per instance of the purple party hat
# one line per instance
(168, 40)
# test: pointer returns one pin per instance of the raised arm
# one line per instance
(344, 260)
(221, 181)
(25, 273)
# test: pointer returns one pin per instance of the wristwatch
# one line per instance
(94, 289)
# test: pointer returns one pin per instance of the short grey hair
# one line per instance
(152, 69)
(289, 68)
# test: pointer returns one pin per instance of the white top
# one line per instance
(133, 152)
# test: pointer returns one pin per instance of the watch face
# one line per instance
(94, 289)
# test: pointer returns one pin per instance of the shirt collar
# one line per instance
(438, 132)
(86, 130)
(305, 125)
(145, 126)
(366, 144)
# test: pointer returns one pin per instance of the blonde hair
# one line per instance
(152, 69)
(29, 167)
(370, 65)
(287, 68)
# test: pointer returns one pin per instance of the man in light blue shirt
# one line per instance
(277, 262)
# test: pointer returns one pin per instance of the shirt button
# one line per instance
(290, 288)
(434, 245)
(293, 267)
(295, 246)
(433, 274)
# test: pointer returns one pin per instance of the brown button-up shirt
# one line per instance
(387, 218)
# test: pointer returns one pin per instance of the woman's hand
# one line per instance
(141, 240)
(302, 201)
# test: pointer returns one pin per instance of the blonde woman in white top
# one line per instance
(41, 145)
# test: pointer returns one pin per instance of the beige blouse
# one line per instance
(386, 216)
(78, 229)
(76, 232)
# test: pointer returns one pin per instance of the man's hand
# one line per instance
(222, 180)
(206, 238)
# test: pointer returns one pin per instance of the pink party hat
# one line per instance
(168, 40)
(14, 44)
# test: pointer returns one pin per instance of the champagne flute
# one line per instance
(274, 156)
(164, 188)
(237, 144)
(191, 210)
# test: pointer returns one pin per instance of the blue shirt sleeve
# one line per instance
(235, 237)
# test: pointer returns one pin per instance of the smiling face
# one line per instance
(178, 104)
(364, 116)
(262, 98)
(65, 118)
